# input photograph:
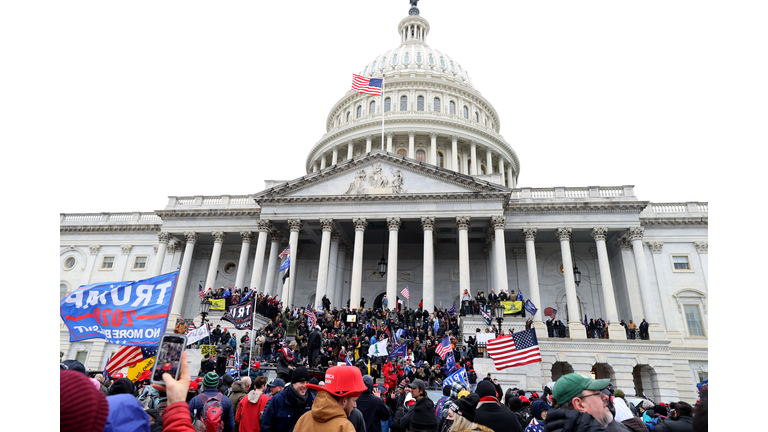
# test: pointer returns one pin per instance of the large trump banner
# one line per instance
(123, 313)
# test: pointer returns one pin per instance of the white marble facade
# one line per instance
(456, 226)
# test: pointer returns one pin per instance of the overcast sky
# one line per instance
(151, 99)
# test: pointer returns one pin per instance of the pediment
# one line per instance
(385, 176)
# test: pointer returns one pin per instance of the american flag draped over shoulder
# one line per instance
(444, 347)
(406, 293)
(190, 327)
(369, 86)
(129, 356)
(520, 349)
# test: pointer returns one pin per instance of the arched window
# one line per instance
(62, 291)
(442, 62)
(458, 162)
(469, 166)
(402, 152)
(387, 104)
(477, 117)
(394, 59)
(418, 57)
(372, 108)
(431, 59)
(373, 67)
(421, 155)
(453, 69)
(439, 159)
(348, 115)
(359, 111)
(406, 58)
(383, 62)
(420, 103)
(403, 103)
(466, 113)
(436, 104)
(482, 169)
(452, 106)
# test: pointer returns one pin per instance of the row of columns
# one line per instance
(333, 253)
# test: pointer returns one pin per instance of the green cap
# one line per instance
(571, 385)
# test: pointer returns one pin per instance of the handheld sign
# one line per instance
(123, 313)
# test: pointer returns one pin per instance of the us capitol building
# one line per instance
(431, 203)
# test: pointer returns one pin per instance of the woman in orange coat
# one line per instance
(252, 407)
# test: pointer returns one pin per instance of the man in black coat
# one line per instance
(314, 344)
(491, 413)
(372, 406)
(681, 419)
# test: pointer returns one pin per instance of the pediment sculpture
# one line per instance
(378, 182)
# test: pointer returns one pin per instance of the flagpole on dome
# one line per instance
(382, 110)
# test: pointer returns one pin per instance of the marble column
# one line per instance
(293, 244)
(428, 294)
(262, 226)
(390, 135)
(393, 224)
(368, 139)
(473, 157)
(637, 309)
(181, 284)
(488, 160)
(501, 171)
(335, 156)
(462, 226)
(322, 161)
(356, 289)
(455, 153)
(273, 264)
(533, 281)
(615, 330)
(341, 274)
(575, 324)
(636, 238)
(674, 330)
(499, 249)
(350, 149)
(432, 149)
(411, 144)
(218, 241)
(333, 264)
(163, 237)
(702, 247)
(491, 261)
(325, 255)
(242, 264)
(511, 176)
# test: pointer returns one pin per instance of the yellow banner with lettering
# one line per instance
(218, 304)
(135, 371)
(208, 350)
(511, 307)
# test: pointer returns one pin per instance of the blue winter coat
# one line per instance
(228, 414)
(281, 415)
(126, 414)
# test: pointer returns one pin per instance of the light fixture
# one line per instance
(205, 307)
(576, 272)
(383, 262)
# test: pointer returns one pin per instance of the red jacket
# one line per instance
(249, 413)
(176, 418)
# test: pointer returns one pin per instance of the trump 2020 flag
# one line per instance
(458, 376)
(123, 313)
(286, 264)
(450, 364)
(369, 86)
(530, 307)
(399, 351)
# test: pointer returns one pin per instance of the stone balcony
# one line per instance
(210, 202)
(562, 193)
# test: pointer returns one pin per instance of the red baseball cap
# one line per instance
(193, 385)
(342, 381)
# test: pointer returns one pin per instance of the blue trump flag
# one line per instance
(530, 307)
(123, 313)
(399, 351)
(458, 376)
(285, 265)
(519, 296)
(450, 364)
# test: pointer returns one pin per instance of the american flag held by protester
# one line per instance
(521, 348)
(406, 293)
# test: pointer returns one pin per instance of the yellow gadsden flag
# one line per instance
(135, 371)
(218, 304)
(511, 307)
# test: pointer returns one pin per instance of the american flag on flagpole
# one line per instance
(312, 317)
(284, 253)
(200, 292)
(520, 349)
(444, 347)
(369, 86)
(406, 293)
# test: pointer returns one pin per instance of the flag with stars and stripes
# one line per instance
(369, 86)
(444, 348)
(452, 310)
(200, 292)
(312, 317)
(406, 293)
(128, 356)
(285, 252)
(521, 348)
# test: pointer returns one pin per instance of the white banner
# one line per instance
(197, 334)
(378, 349)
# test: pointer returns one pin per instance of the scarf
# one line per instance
(288, 354)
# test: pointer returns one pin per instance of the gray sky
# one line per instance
(152, 101)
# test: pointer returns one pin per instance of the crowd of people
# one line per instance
(349, 400)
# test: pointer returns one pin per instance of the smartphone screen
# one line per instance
(168, 358)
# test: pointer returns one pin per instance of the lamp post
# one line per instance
(498, 313)
(205, 307)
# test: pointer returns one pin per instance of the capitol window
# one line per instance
(466, 113)
(406, 58)
(394, 59)
(107, 263)
(69, 263)
(452, 107)
(359, 111)
(681, 263)
(482, 169)
(693, 320)
(431, 60)
(373, 68)
(436, 104)
(418, 58)
(452, 68)
(439, 159)
(420, 103)
(421, 155)
(62, 291)
(348, 114)
(140, 263)
(372, 108)
(383, 62)
(442, 63)
(402, 152)
(403, 103)
(477, 117)
(387, 105)
(230, 267)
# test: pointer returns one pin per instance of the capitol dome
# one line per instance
(432, 113)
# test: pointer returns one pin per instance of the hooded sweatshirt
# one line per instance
(249, 411)
(327, 415)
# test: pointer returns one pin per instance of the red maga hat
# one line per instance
(342, 381)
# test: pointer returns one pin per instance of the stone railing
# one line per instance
(109, 218)
(574, 193)
(684, 209)
(216, 201)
